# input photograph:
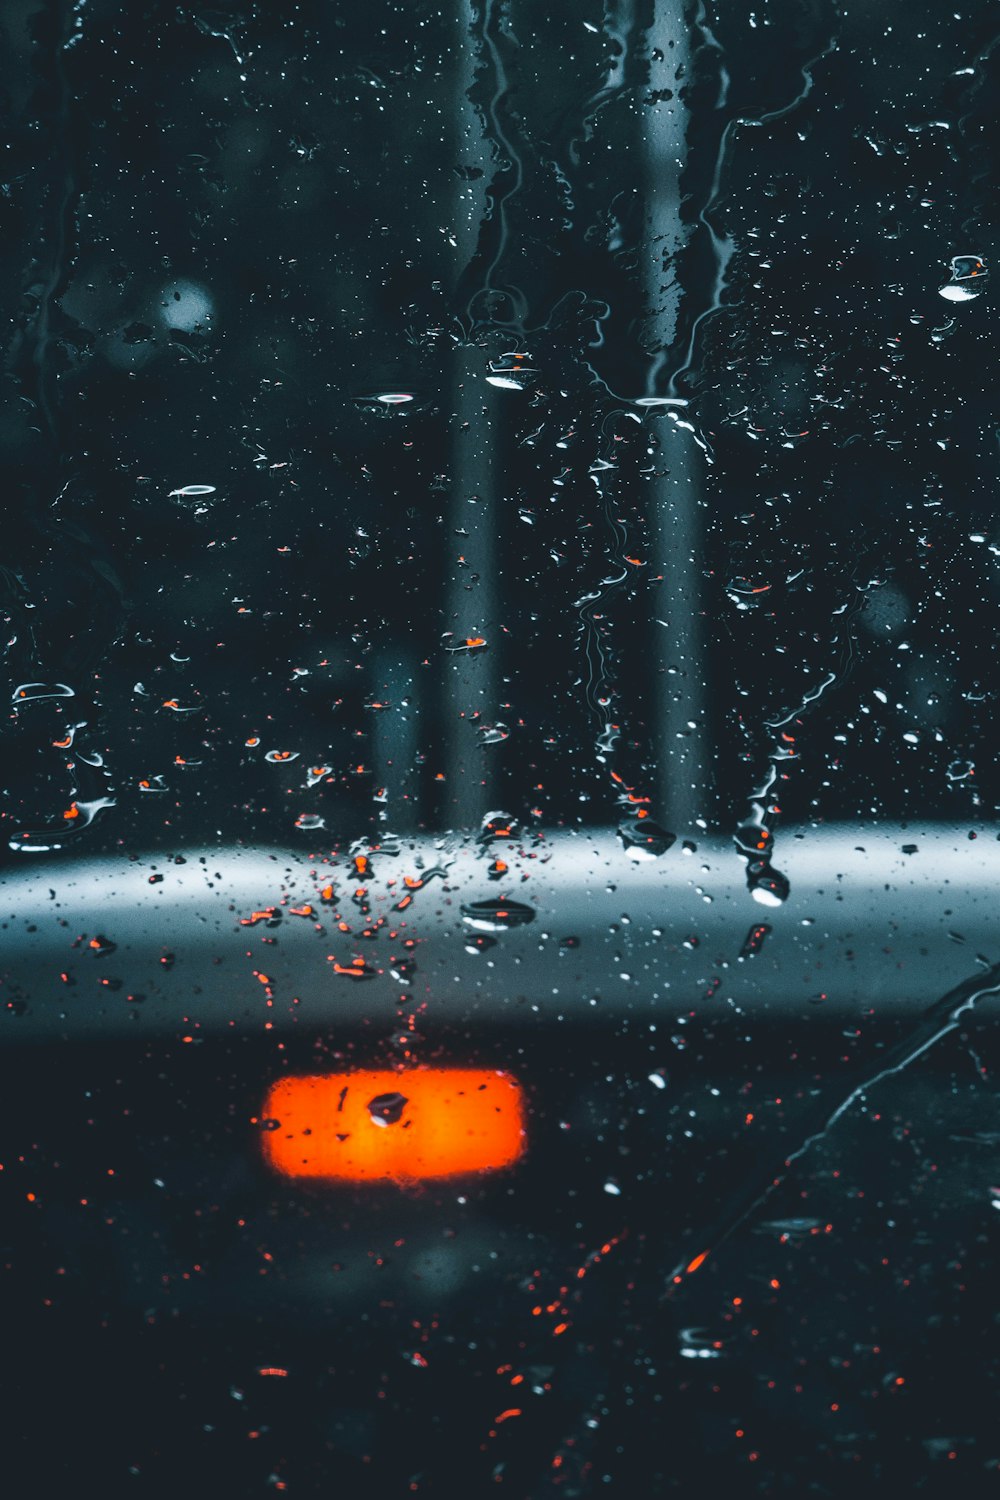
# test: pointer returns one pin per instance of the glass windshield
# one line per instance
(498, 797)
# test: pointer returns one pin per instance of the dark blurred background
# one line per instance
(227, 232)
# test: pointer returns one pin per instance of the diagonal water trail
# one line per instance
(939, 1021)
(754, 837)
(496, 42)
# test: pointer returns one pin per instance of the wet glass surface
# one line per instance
(499, 586)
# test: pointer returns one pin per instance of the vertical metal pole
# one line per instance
(472, 549)
(675, 510)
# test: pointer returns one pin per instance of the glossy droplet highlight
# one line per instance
(642, 838)
(969, 277)
(35, 692)
(766, 885)
(497, 916)
(387, 1109)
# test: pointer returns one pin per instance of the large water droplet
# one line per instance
(767, 885)
(968, 279)
(754, 940)
(644, 839)
(497, 826)
(388, 403)
(496, 915)
(34, 692)
(387, 1109)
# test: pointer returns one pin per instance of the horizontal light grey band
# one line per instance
(881, 918)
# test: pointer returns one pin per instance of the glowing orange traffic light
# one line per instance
(410, 1126)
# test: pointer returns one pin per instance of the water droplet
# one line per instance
(479, 945)
(310, 820)
(754, 940)
(387, 1109)
(496, 915)
(35, 692)
(644, 839)
(388, 403)
(968, 279)
(269, 914)
(765, 884)
(356, 969)
(748, 593)
(793, 1228)
(496, 826)
(41, 840)
(504, 382)
(753, 840)
(697, 1344)
(470, 643)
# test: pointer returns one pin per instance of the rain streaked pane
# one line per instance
(499, 805)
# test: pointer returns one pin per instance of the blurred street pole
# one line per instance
(677, 635)
(471, 541)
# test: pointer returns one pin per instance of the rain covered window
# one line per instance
(498, 793)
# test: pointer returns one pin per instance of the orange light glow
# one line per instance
(266, 914)
(377, 1125)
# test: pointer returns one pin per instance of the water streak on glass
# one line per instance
(499, 582)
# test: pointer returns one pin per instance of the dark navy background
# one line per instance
(209, 264)
(224, 234)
